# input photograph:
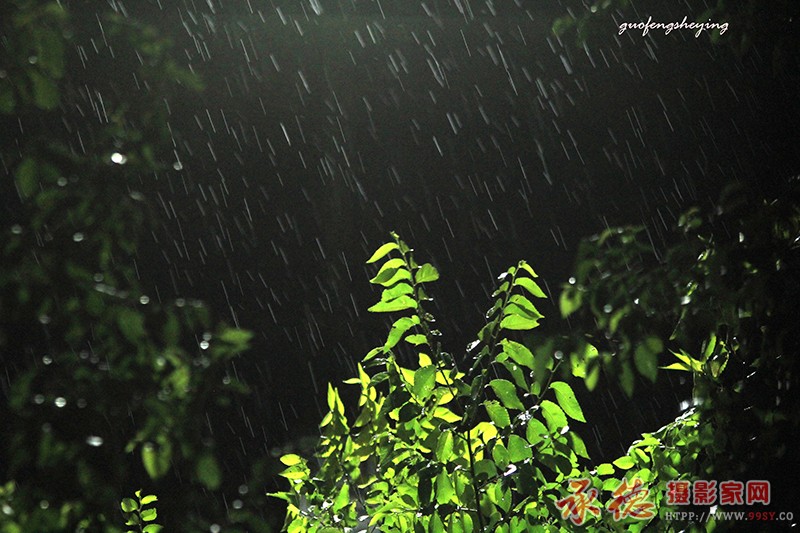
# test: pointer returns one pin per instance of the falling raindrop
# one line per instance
(144, 299)
(77, 237)
(47, 359)
(38, 399)
(118, 158)
(60, 402)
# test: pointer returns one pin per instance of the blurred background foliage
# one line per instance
(106, 388)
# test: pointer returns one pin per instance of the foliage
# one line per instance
(141, 513)
(104, 383)
(723, 299)
(434, 447)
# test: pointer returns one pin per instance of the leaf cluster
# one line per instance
(438, 447)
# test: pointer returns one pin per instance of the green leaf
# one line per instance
(398, 290)
(208, 472)
(570, 301)
(522, 265)
(624, 462)
(156, 460)
(605, 469)
(400, 303)
(531, 286)
(444, 488)
(567, 401)
(291, 459)
(399, 328)
(237, 337)
(382, 251)
(153, 528)
(426, 273)
(444, 446)
(517, 322)
(50, 49)
(578, 446)
(8, 101)
(592, 378)
(518, 449)
(519, 353)
(150, 498)
(129, 505)
(27, 177)
(45, 90)
(436, 525)
(646, 361)
(497, 413)
(553, 415)
(391, 276)
(131, 324)
(387, 270)
(424, 381)
(626, 379)
(534, 431)
(417, 339)
(342, 498)
(148, 515)
(522, 306)
(507, 393)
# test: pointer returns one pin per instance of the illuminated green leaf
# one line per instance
(517, 322)
(507, 393)
(381, 252)
(400, 303)
(417, 339)
(426, 273)
(424, 381)
(553, 415)
(605, 469)
(518, 449)
(291, 459)
(567, 401)
(399, 328)
(624, 462)
(129, 505)
(444, 488)
(497, 413)
(531, 286)
(150, 498)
